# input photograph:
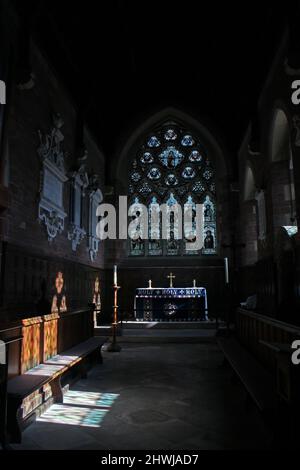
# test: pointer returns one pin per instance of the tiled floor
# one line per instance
(152, 396)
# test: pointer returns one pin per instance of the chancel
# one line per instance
(149, 243)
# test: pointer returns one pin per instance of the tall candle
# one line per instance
(226, 271)
(194, 282)
(115, 275)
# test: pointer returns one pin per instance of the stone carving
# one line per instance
(95, 198)
(76, 235)
(80, 182)
(51, 211)
(53, 222)
(80, 173)
(50, 144)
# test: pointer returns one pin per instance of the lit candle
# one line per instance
(194, 282)
(226, 271)
(115, 275)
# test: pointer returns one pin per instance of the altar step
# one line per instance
(170, 325)
(167, 332)
(161, 325)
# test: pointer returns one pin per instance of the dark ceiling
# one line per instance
(125, 59)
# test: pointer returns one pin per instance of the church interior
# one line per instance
(114, 343)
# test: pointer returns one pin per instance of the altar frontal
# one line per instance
(171, 303)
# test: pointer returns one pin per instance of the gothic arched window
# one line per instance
(172, 166)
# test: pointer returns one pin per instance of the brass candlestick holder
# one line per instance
(114, 346)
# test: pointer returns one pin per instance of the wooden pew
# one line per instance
(3, 386)
(30, 393)
(55, 349)
(252, 329)
(255, 364)
(258, 382)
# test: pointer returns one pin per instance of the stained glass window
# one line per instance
(137, 244)
(171, 166)
(153, 141)
(59, 303)
(154, 227)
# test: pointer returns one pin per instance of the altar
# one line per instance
(171, 304)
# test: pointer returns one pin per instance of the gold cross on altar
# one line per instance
(171, 277)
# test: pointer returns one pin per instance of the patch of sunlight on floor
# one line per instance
(104, 400)
(73, 415)
(80, 408)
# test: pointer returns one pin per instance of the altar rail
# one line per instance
(252, 328)
(43, 337)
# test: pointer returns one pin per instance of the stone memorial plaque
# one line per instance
(52, 189)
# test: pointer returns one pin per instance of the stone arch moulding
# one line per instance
(120, 172)
(281, 150)
(211, 176)
(280, 133)
(249, 186)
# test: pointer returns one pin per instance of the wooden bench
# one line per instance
(258, 382)
(31, 393)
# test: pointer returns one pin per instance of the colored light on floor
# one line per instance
(73, 416)
(80, 408)
(105, 400)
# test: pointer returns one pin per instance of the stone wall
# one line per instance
(29, 257)
(268, 266)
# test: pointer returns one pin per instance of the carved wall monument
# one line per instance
(96, 198)
(51, 212)
(79, 181)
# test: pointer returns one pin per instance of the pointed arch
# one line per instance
(171, 153)
(169, 115)
(280, 136)
(282, 171)
(249, 183)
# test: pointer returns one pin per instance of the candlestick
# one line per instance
(115, 275)
(114, 346)
(226, 271)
